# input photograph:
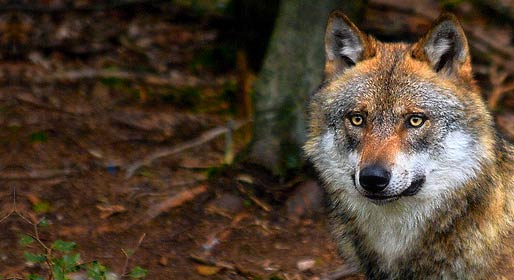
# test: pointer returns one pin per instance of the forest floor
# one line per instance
(118, 127)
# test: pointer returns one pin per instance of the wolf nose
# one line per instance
(374, 178)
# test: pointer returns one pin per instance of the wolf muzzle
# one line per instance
(374, 180)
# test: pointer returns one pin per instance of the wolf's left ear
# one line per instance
(345, 44)
(445, 47)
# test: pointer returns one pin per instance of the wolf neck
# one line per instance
(391, 231)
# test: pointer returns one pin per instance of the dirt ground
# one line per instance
(68, 167)
(72, 123)
(88, 93)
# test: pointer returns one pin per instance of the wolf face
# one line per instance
(419, 186)
(393, 123)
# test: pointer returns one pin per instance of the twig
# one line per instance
(221, 264)
(263, 205)
(171, 202)
(107, 5)
(16, 211)
(205, 261)
(31, 100)
(35, 174)
(204, 138)
(35, 236)
(129, 255)
(172, 185)
(173, 80)
(341, 273)
(222, 235)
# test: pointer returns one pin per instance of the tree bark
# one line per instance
(292, 69)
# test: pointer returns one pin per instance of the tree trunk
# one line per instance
(292, 69)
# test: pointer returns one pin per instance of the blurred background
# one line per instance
(162, 139)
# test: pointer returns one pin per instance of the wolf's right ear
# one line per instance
(345, 44)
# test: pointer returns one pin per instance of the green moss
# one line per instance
(38, 137)
(42, 207)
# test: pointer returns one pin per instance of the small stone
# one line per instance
(77, 276)
(305, 264)
(111, 276)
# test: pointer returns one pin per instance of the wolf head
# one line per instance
(394, 122)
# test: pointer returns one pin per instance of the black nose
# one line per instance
(374, 178)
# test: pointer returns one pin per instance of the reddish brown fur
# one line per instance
(376, 150)
(471, 235)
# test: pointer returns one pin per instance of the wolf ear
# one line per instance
(444, 47)
(345, 44)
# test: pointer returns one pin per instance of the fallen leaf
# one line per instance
(163, 261)
(33, 198)
(73, 231)
(207, 270)
(109, 210)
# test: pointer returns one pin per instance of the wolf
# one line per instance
(419, 183)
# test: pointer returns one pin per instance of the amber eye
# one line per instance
(356, 119)
(416, 120)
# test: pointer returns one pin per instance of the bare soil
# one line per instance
(87, 92)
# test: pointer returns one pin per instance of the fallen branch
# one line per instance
(175, 79)
(35, 174)
(167, 204)
(207, 261)
(29, 99)
(67, 7)
(204, 138)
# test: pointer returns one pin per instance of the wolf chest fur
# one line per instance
(420, 185)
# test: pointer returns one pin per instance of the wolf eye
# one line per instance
(356, 119)
(416, 121)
